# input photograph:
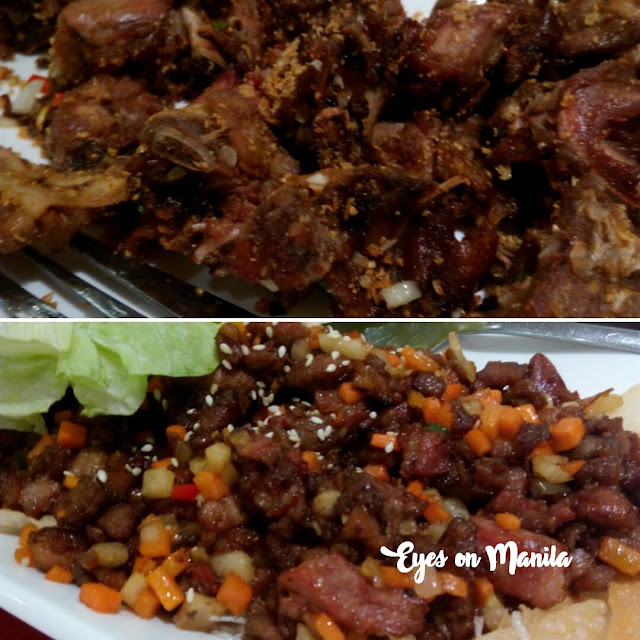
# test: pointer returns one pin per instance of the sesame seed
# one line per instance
(259, 347)
(346, 338)
(146, 448)
(254, 395)
(261, 393)
(154, 459)
(226, 364)
(328, 430)
(388, 448)
(134, 449)
(275, 409)
(128, 467)
(335, 355)
(225, 348)
(331, 368)
(208, 399)
(269, 435)
(245, 350)
(346, 363)
(286, 368)
(213, 389)
(295, 399)
(330, 466)
(157, 396)
(196, 426)
(282, 351)
(25, 562)
(292, 434)
(165, 404)
(174, 462)
(190, 412)
(187, 436)
(67, 474)
(261, 385)
(373, 415)
(304, 403)
(102, 476)
(190, 594)
(267, 400)
(269, 332)
(230, 428)
(321, 435)
(308, 360)
(316, 420)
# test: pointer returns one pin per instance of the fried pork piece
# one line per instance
(104, 35)
(39, 204)
(593, 27)
(97, 120)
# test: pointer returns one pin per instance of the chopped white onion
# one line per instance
(400, 293)
(318, 179)
(26, 98)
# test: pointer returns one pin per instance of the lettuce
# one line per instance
(106, 364)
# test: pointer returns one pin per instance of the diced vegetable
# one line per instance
(453, 585)
(478, 441)
(624, 558)
(435, 512)
(237, 562)
(147, 604)
(199, 613)
(508, 521)
(419, 360)
(349, 393)
(437, 412)
(218, 456)
(100, 598)
(176, 563)
(567, 433)
(45, 441)
(417, 489)
(144, 565)
(155, 539)
(235, 593)
(110, 554)
(157, 483)
(136, 583)
(211, 485)
(70, 482)
(311, 458)
(385, 441)
(185, 492)
(24, 534)
(550, 467)
(483, 589)
(71, 435)
(59, 574)
(176, 430)
(325, 501)
(166, 589)
(452, 391)
(430, 586)
(377, 471)
(163, 463)
(572, 467)
(327, 629)
(24, 557)
(391, 577)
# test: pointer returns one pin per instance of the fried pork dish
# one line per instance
(263, 493)
(483, 160)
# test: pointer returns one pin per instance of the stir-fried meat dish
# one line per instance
(482, 160)
(302, 455)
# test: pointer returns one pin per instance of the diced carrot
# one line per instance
(166, 589)
(100, 598)
(573, 466)
(24, 557)
(314, 341)
(435, 512)
(488, 397)
(45, 441)
(58, 97)
(508, 521)
(144, 565)
(155, 540)
(453, 391)
(384, 441)
(70, 482)
(479, 443)
(176, 563)
(327, 629)
(393, 359)
(241, 328)
(59, 574)
(415, 399)
(163, 463)
(489, 421)
(619, 555)
(212, 486)
(543, 448)
(24, 534)
(349, 393)
(176, 430)
(483, 589)
(529, 413)
(72, 435)
(419, 360)
(391, 577)
(417, 489)
(65, 414)
(235, 593)
(453, 585)
(510, 422)
(567, 433)
(438, 412)
(377, 471)
(156, 383)
(311, 458)
(147, 604)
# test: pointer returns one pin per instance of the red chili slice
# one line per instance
(186, 492)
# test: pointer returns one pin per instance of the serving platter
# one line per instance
(55, 609)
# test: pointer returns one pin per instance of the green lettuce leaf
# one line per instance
(106, 364)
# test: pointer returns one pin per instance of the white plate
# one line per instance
(35, 280)
(55, 610)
